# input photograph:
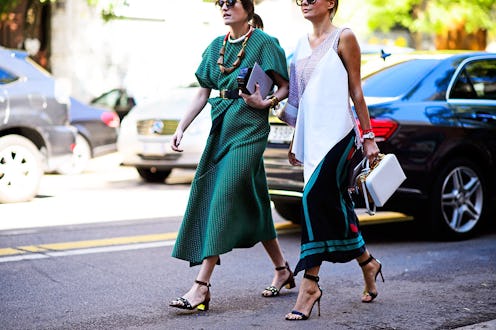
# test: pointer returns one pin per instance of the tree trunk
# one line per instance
(458, 38)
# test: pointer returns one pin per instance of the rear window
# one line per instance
(6, 77)
(398, 79)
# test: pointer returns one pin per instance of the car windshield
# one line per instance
(398, 79)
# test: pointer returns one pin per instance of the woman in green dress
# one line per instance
(229, 205)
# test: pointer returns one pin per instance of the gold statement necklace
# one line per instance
(240, 56)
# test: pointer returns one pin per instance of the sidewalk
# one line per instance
(489, 325)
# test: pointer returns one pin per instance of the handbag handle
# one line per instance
(369, 210)
(370, 206)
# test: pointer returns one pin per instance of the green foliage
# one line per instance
(256, 1)
(108, 13)
(7, 6)
(432, 15)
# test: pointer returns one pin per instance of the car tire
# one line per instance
(153, 175)
(81, 156)
(21, 169)
(459, 200)
(289, 210)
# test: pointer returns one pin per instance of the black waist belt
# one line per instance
(229, 94)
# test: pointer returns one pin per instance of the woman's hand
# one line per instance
(370, 150)
(292, 159)
(255, 100)
(176, 140)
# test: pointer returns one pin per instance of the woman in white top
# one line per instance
(324, 74)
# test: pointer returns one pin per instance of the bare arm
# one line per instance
(349, 51)
(195, 108)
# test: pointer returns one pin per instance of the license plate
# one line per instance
(154, 148)
(280, 134)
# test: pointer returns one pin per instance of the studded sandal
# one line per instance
(272, 291)
(183, 303)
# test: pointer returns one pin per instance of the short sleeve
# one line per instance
(206, 73)
(273, 57)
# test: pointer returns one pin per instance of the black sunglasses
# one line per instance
(310, 2)
(229, 3)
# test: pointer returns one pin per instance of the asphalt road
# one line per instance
(93, 252)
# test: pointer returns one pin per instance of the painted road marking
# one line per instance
(127, 243)
(55, 254)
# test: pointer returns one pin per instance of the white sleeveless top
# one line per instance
(319, 89)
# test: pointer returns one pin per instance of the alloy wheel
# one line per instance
(462, 199)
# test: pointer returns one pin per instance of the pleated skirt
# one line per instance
(330, 230)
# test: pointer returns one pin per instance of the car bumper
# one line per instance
(156, 152)
(61, 140)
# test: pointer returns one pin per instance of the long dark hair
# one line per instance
(249, 8)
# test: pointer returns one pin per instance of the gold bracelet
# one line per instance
(274, 101)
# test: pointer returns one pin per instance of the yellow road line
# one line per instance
(284, 227)
(108, 242)
(32, 248)
(10, 251)
(88, 244)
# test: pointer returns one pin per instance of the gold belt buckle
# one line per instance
(222, 93)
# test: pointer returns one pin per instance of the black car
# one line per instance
(437, 114)
(35, 135)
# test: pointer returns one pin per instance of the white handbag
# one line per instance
(378, 182)
(288, 114)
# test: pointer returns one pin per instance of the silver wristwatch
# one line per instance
(369, 135)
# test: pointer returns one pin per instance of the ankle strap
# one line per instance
(202, 283)
(286, 266)
(363, 263)
(311, 277)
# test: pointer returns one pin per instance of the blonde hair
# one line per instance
(334, 9)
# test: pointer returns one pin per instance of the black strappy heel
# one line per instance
(182, 303)
(289, 283)
(303, 317)
(373, 295)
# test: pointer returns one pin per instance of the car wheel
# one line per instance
(459, 200)
(81, 156)
(21, 169)
(289, 210)
(153, 175)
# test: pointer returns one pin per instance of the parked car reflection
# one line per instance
(437, 114)
(145, 135)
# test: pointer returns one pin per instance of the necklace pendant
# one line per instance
(239, 58)
(236, 63)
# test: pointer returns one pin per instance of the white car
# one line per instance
(146, 132)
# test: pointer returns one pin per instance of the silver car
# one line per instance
(35, 135)
(146, 132)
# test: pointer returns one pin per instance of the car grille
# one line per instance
(152, 127)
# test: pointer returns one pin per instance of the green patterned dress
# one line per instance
(229, 205)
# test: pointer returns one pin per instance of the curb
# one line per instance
(489, 325)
